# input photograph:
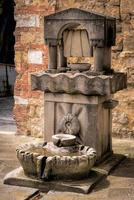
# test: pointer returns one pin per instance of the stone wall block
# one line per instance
(128, 42)
(126, 8)
(35, 56)
(113, 11)
(114, 2)
(27, 20)
(32, 37)
(119, 43)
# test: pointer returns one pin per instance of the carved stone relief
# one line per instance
(69, 124)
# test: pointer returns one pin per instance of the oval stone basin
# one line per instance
(79, 66)
(63, 140)
(48, 161)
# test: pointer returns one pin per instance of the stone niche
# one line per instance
(78, 99)
(96, 31)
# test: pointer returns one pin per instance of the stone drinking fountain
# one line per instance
(77, 149)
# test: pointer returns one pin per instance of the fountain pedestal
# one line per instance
(84, 101)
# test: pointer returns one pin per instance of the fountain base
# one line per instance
(99, 172)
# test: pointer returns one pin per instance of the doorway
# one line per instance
(7, 41)
(7, 66)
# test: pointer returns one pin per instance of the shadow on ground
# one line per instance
(7, 122)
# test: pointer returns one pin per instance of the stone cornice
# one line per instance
(79, 83)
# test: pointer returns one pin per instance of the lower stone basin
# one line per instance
(48, 161)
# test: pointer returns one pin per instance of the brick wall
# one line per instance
(31, 56)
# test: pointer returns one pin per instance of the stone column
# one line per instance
(107, 57)
(110, 130)
(91, 51)
(98, 59)
(52, 59)
(62, 60)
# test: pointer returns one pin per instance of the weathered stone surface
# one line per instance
(123, 116)
(126, 8)
(21, 101)
(27, 38)
(110, 104)
(122, 176)
(109, 164)
(35, 57)
(70, 167)
(54, 162)
(29, 159)
(27, 21)
(64, 140)
(85, 186)
(128, 41)
(36, 116)
(91, 129)
(84, 18)
(69, 125)
(78, 83)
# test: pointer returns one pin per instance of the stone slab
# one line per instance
(27, 21)
(35, 57)
(109, 164)
(77, 98)
(17, 177)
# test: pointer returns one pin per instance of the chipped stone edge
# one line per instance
(18, 178)
(98, 85)
(32, 162)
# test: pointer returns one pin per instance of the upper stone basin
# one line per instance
(64, 140)
(79, 83)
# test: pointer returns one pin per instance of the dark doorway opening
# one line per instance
(7, 67)
(7, 41)
(7, 24)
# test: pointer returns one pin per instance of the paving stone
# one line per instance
(8, 162)
(7, 123)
